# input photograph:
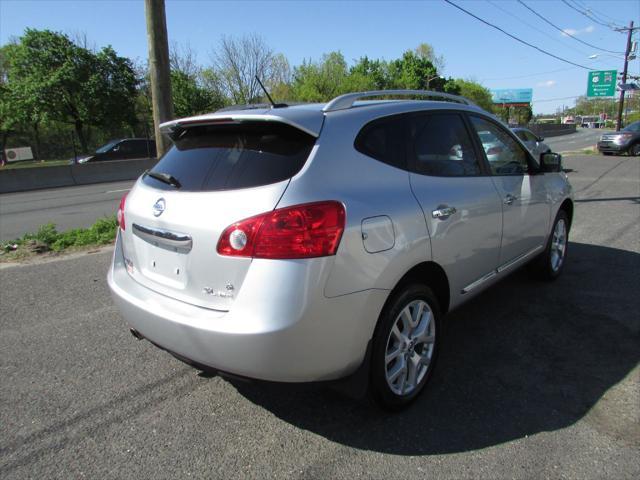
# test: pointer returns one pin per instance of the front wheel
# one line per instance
(634, 150)
(549, 264)
(405, 347)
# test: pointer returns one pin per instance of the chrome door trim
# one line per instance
(519, 258)
(163, 238)
(479, 282)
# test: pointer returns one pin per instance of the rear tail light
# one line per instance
(120, 212)
(301, 231)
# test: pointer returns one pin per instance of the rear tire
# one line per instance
(405, 347)
(634, 150)
(548, 266)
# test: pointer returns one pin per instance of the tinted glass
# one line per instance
(383, 140)
(442, 146)
(224, 157)
(521, 135)
(107, 147)
(634, 127)
(505, 155)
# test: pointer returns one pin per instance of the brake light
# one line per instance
(301, 231)
(120, 212)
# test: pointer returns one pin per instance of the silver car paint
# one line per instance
(306, 320)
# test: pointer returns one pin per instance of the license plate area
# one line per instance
(162, 265)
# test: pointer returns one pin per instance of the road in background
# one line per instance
(68, 207)
(583, 138)
(534, 380)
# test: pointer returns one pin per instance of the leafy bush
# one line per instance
(100, 233)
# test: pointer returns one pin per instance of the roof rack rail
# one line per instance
(347, 100)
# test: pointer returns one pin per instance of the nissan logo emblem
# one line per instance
(159, 207)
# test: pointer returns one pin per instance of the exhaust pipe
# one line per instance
(136, 334)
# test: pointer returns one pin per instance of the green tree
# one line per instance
(64, 82)
(474, 92)
(190, 97)
(321, 81)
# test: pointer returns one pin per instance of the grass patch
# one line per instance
(48, 239)
(34, 164)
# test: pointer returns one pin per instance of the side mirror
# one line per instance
(116, 148)
(550, 162)
(541, 139)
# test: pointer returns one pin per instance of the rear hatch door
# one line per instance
(213, 176)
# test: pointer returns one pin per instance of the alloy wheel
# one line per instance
(558, 245)
(410, 347)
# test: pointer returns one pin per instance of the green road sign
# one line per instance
(602, 83)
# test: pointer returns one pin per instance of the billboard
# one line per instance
(512, 95)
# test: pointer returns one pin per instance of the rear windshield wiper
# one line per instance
(164, 178)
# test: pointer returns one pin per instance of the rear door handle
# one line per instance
(509, 199)
(443, 212)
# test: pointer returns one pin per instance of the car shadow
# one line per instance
(522, 358)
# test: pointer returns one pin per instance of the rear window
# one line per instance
(226, 157)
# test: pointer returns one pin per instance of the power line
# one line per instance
(516, 38)
(562, 30)
(590, 17)
(536, 29)
(531, 74)
(592, 11)
(555, 99)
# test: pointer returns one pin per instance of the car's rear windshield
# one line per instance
(226, 157)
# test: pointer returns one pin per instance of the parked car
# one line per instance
(325, 242)
(534, 143)
(123, 149)
(626, 140)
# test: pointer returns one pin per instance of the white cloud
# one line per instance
(547, 84)
(574, 32)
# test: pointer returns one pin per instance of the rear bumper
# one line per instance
(276, 331)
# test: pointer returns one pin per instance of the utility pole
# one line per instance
(624, 75)
(159, 69)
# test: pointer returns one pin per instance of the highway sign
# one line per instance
(602, 83)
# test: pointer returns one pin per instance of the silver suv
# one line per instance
(317, 242)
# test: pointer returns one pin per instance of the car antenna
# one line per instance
(273, 104)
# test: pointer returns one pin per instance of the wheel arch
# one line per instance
(431, 274)
(567, 206)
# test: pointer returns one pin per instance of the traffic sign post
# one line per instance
(602, 83)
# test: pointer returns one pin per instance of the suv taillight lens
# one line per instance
(301, 231)
(120, 212)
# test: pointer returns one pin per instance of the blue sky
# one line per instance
(382, 29)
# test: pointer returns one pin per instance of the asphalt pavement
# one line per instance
(574, 142)
(67, 207)
(535, 380)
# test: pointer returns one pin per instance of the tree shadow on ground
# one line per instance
(524, 357)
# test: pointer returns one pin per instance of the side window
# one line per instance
(522, 135)
(505, 155)
(442, 146)
(125, 148)
(383, 140)
(530, 136)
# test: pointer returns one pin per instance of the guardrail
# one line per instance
(36, 178)
(551, 129)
